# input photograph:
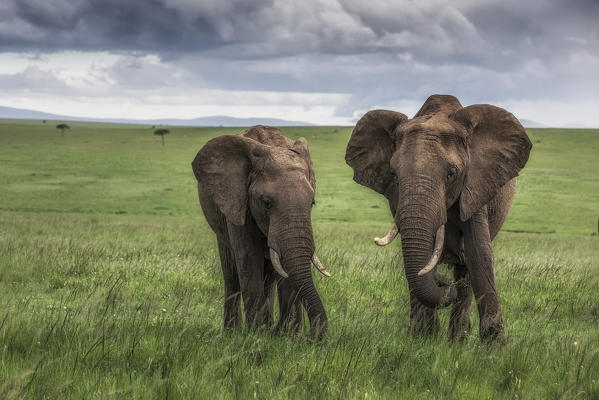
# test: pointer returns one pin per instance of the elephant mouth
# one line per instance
(276, 263)
(437, 250)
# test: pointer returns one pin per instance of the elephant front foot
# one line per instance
(491, 323)
(424, 321)
(293, 323)
(232, 323)
(258, 317)
(459, 325)
(492, 331)
(232, 312)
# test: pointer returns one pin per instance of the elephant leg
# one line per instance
(291, 315)
(249, 259)
(479, 260)
(459, 320)
(232, 290)
(424, 321)
(270, 287)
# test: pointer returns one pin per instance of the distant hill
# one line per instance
(18, 113)
(217, 120)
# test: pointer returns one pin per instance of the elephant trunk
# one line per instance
(294, 243)
(421, 213)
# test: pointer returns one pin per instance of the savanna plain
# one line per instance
(110, 284)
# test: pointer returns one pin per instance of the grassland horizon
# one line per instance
(110, 284)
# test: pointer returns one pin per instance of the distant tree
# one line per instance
(62, 127)
(161, 133)
(44, 121)
(153, 127)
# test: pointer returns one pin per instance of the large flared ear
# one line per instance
(499, 149)
(300, 146)
(222, 168)
(371, 146)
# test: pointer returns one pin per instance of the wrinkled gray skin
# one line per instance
(257, 192)
(449, 165)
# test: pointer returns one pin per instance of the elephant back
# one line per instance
(269, 136)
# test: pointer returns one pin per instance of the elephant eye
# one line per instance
(267, 203)
(452, 173)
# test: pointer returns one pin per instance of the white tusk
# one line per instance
(439, 241)
(276, 263)
(319, 265)
(388, 238)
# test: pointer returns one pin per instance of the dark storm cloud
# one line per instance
(149, 25)
(496, 35)
(376, 51)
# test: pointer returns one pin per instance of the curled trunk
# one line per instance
(294, 243)
(420, 214)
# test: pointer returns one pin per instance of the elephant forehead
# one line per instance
(433, 133)
(287, 182)
(286, 160)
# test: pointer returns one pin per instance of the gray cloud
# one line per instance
(32, 79)
(377, 51)
(474, 32)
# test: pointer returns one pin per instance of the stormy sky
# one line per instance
(324, 62)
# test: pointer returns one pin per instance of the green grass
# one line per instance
(110, 285)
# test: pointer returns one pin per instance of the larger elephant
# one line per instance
(449, 175)
(256, 191)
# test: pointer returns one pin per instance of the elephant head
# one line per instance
(447, 154)
(266, 179)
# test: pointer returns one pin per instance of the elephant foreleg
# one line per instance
(479, 260)
(459, 320)
(232, 313)
(249, 259)
(291, 316)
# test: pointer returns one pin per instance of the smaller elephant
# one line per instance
(449, 175)
(257, 191)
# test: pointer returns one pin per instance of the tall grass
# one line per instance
(109, 297)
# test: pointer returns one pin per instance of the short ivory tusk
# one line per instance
(388, 238)
(276, 263)
(319, 265)
(439, 240)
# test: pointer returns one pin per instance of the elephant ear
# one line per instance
(300, 146)
(499, 149)
(371, 146)
(222, 168)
